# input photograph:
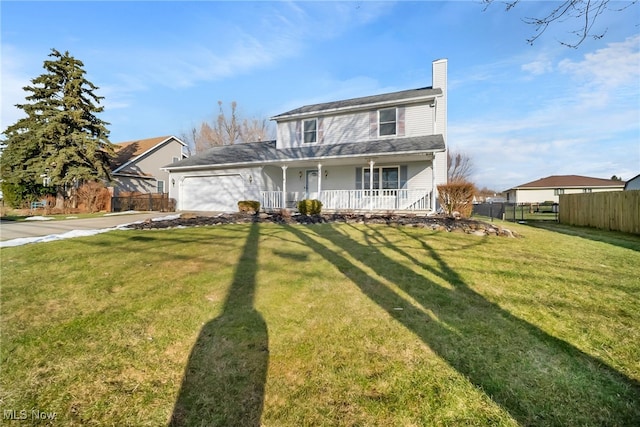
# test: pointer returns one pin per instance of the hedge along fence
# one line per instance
(611, 210)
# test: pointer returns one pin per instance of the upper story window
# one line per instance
(387, 121)
(310, 131)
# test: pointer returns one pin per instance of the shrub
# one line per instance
(93, 196)
(251, 206)
(309, 207)
(456, 197)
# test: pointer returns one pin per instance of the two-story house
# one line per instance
(382, 152)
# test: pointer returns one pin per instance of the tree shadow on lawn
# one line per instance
(225, 377)
(537, 378)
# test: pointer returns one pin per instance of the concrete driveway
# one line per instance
(10, 230)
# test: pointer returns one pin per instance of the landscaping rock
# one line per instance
(436, 223)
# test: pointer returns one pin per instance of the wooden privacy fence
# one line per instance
(611, 210)
(142, 202)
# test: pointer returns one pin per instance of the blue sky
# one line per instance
(520, 112)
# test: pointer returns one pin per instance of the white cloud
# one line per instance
(616, 65)
(538, 67)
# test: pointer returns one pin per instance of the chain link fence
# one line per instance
(517, 212)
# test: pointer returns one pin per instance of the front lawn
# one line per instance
(332, 324)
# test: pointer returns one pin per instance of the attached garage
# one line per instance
(211, 193)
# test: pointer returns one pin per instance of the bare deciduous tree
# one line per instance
(584, 13)
(459, 167)
(228, 130)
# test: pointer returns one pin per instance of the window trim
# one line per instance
(313, 132)
(381, 123)
(378, 172)
(160, 182)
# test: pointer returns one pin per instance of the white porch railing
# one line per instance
(356, 200)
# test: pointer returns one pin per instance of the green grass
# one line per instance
(323, 325)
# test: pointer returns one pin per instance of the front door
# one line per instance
(311, 189)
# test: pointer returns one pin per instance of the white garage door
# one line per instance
(212, 193)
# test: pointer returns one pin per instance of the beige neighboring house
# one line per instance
(549, 189)
(137, 164)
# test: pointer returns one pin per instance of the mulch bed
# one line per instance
(437, 222)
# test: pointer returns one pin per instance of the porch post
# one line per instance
(319, 179)
(284, 187)
(371, 163)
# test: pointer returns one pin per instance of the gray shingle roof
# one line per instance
(363, 101)
(266, 152)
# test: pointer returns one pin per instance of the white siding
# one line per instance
(346, 128)
(419, 120)
(350, 128)
(419, 176)
(439, 70)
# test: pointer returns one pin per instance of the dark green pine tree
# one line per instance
(61, 142)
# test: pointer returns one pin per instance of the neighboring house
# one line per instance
(382, 152)
(633, 183)
(549, 189)
(137, 165)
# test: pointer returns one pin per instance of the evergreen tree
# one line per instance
(61, 142)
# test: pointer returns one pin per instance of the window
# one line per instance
(310, 131)
(387, 121)
(384, 178)
(558, 191)
(175, 159)
(160, 186)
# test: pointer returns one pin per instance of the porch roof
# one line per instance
(254, 153)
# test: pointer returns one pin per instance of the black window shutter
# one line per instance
(358, 178)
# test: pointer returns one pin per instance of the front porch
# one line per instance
(410, 200)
